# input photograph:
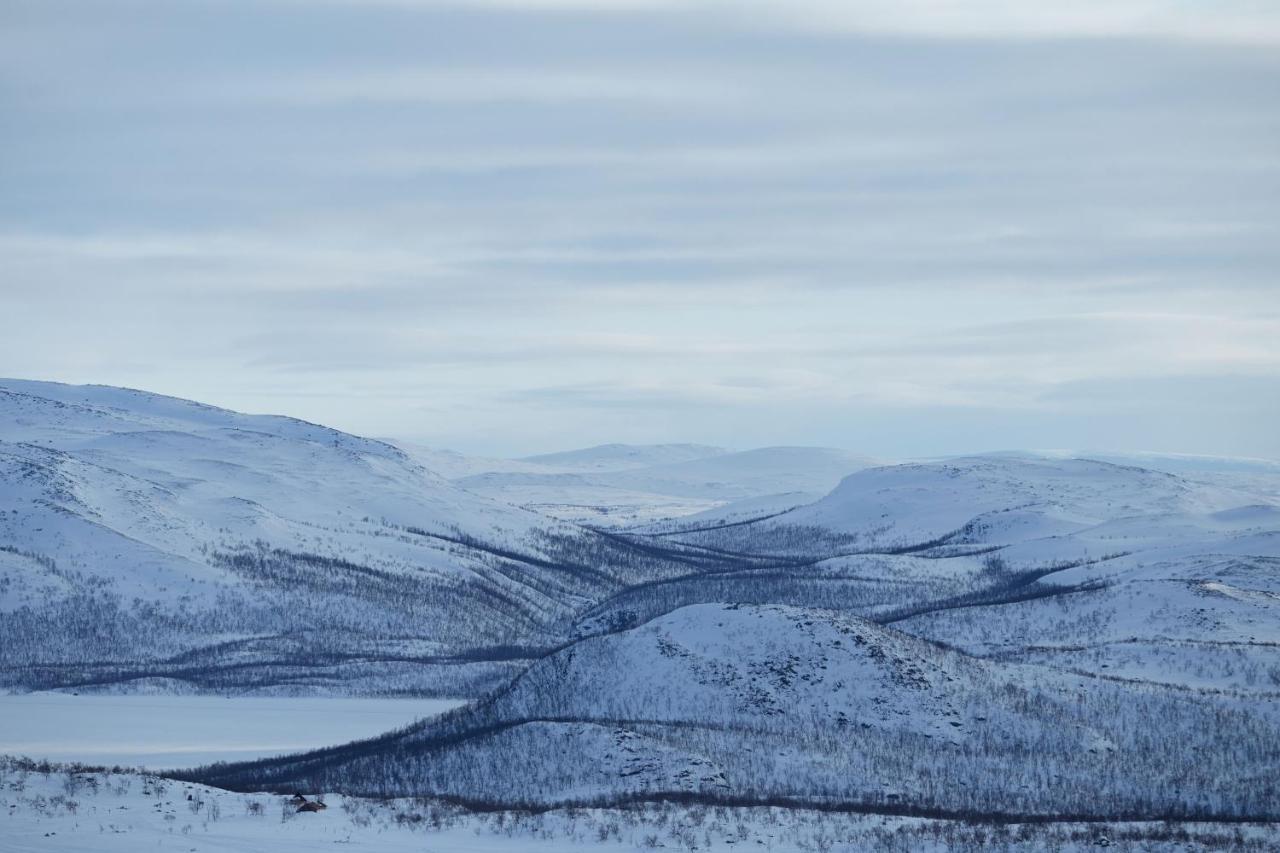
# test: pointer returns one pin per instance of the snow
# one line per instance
(1039, 604)
(164, 732)
(195, 455)
(733, 512)
(124, 813)
(621, 485)
(1010, 498)
(117, 495)
(62, 812)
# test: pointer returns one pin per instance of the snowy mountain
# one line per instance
(909, 642)
(1084, 565)
(985, 637)
(998, 500)
(161, 538)
(1259, 475)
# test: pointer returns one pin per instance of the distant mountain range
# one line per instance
(618, 485)
(147, 538)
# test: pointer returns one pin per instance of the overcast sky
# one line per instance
(903, 228)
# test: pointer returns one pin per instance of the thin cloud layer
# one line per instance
(1247, 21)
(901, 228)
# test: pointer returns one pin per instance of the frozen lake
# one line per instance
(166, 732)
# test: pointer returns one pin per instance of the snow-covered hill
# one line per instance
(1258, 475)
(1093, 567)
(172, 475)
(138, 529)
(1001, 499)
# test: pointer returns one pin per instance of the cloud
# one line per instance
(1225, 20)
(920, 225)
(1230, 20)
(454, 85)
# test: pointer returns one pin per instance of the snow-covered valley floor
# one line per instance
(166, 732)
(53, 809)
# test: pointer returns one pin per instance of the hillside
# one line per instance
(760, 704)
(999, 499)
(1092, 567)
(160, 538)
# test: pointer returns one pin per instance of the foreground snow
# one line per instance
(51, 809)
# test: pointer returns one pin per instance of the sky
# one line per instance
(904, 228)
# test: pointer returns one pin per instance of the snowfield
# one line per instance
(43, 810)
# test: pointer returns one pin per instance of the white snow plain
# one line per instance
(55, 811)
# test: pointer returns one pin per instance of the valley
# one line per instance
(1049, 640)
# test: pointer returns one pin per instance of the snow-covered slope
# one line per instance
(178, 478)
(1001, 499)
(1258, 475)
(138, 528)
(775, 704)
(1112, 570)
(70, 810)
